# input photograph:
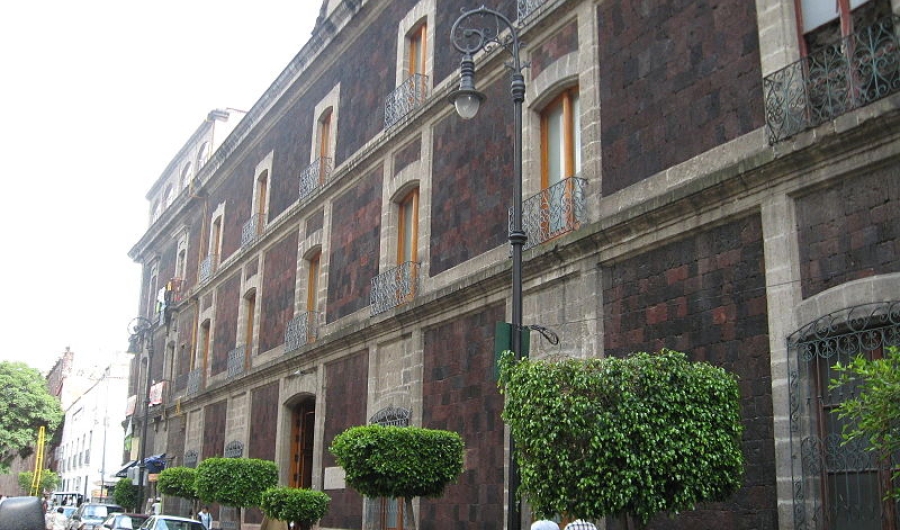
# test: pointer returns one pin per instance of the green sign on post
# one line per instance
(503, 341)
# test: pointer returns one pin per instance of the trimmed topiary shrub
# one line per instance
(398, 462)
(126, 494)
(303, 507)
(235, 482)
(179, 482)
(634, 437)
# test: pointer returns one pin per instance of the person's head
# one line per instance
(544, 524)
(204, 509)
(59, 510)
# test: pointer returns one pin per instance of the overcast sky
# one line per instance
(99, 96)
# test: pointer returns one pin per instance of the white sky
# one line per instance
(99, 96)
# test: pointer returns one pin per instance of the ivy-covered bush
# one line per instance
(303, 507)
(126, 494)
(636, 436)
(398, 462)
(236, 482)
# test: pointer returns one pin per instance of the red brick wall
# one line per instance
(850, 230)
(472, 181)
(277, 297)
(677, 78)
(705, 296)
(459, 393)
(355, 237)
(263, 421)
(315, 221)
(408, 154)
(345, 407)
(225, 335)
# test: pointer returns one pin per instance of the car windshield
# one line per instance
(97, 511)
(127, 522)
(164, 524)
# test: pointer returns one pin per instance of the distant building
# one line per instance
(720, 177)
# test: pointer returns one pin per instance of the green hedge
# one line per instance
(236, 482)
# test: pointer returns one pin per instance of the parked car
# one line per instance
(171, 522)
(124, 521)
(90, 515)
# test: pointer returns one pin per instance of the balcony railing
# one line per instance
(207, 266)
(554, 211)
(194, 381)
(236, 362)
(526, 7)
(315, 176)
(831, 81)
(302, 329)
(394, 287)
(252, 229)
(410, 95)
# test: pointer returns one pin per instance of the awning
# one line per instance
(122, 473)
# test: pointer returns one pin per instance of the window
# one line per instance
(250, 315)
(215, 241)
(205, 343)
(323, 135)
(416, 45)
(203, 155)
(407, 231)
(560, 139)
(838, 486)
(185, 178)
(825, 20)
(560, 159)
(312, 283)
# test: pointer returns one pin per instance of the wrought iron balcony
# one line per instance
(526, 7)
(207, 266)
(315, 176)
(831, 81)
(252, 229)
(236, 362)
(194, 381)
(410, 95)
(554, 211)
(394, 287)
(302, 329)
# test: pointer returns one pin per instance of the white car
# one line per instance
(171, 522)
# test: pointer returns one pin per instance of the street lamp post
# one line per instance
(141, 330)
(470, 34)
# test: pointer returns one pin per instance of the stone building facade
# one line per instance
(720, 177)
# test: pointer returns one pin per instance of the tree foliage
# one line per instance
(49, 480)
(399, 462)
(636, 436)
(178, 482)
(235, 482)
(303, 507)
(25, 405)
(873, 415)
(126, 494)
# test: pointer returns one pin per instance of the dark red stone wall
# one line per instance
(459, 393)
(228, 297)
(214, 417)
(678, 77)
(345, 407)
(315, 221)
(355, 239)
(562, 42)
(706, 296)
(408, 154)
(446, 60)
(277, 298)
(472, 181)
(850, 230)
(263, 421)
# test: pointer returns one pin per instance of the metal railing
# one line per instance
(194, 381)
(526, 7)
(315, 176)
(236, 361)
(206, 267)
(833, 80)
(394, 287)
(302, 329)
(410, 95)
(554, 211)
(252, 229)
